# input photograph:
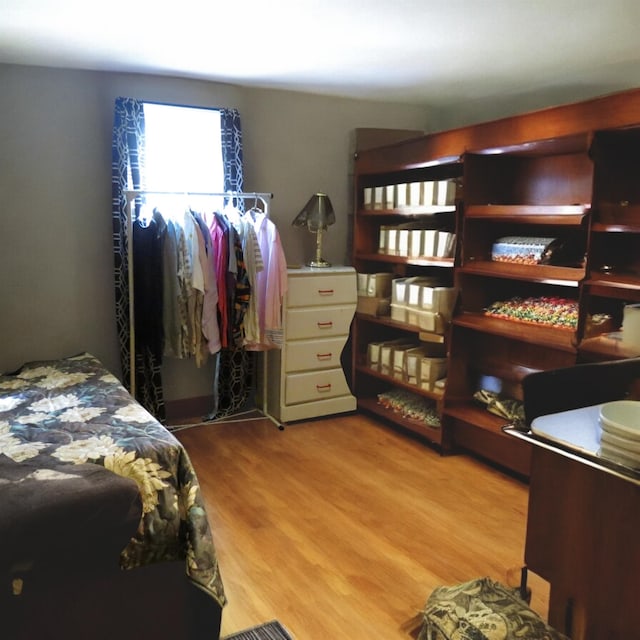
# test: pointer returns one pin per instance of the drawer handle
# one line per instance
(325, 292)
(324, 356)
(324, 387)
(325, 325)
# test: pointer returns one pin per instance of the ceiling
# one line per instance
(431, 52)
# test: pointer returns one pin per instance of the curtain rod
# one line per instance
(134, 193)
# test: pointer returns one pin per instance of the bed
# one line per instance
(103, 527)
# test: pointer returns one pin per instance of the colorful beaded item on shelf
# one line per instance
(550, 311)
(410, 405)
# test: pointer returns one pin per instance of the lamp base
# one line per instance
(319, 263)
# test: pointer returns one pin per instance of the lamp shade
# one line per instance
(317, 214)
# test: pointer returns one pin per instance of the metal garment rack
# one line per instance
(131, 195)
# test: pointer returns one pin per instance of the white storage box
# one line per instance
(415, 194)
(386, 354)
(373, 306)
(368, 198)
(389, 196)
(402, 243)
(373, 355)
(426, 320)
(416, 242)
(392, 240)
(399, 355)
(401, 195)
(428, 193)
(429, 242)
(378, 197)
(363, 281)
(439, 300)
(445, 244)
(400, 288)
(412, 359)
(374, 285)
(446, 193)
(431, 370)
(398, 312)
(383, 242)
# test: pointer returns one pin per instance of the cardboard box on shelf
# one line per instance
(401, 195)
(431, 370)
(386, 354)
(399, 353)
(439, 300)
(373, 306)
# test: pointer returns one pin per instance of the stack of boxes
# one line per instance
(410, 242)
(428, 193)
(423, 302)
(374, 293)
(420, 365)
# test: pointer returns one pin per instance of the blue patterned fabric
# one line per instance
(127, 172)
(234, 374)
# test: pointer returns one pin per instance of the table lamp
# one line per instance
(316, 215)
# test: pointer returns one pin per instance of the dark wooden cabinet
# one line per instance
(568, 174)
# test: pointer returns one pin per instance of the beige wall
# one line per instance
(56, 282)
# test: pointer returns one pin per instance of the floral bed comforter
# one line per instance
(74, 411)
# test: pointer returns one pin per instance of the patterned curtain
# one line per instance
(233, 376)
(127, 171)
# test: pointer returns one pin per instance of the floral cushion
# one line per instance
(482, 610)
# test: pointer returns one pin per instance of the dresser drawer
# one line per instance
(311, 355)
(315, 385)
(322, 290)
(318, 323)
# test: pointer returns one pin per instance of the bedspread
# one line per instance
(73, 411)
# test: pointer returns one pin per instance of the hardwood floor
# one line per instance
(342, 527)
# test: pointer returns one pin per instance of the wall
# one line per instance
(56, 282)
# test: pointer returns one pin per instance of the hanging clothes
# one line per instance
(210, 326)
(271, 284)
(254, 264)
(171, 317)
(148, 239)
(219, 231)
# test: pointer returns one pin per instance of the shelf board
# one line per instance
(429, 210)
(617, 217)
(424, 336)
(607, 347)
(418, 262)
(546, 274)
(433, 395)
(551, 337)
(477, 416)
(434, 434)
(615, 285)
(476, 429)
(567, 215)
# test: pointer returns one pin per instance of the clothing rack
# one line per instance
(131, 195)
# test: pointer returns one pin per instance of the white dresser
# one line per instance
(305, 378)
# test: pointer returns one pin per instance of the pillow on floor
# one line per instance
(482, 610)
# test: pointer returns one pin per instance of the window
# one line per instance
(183, 151)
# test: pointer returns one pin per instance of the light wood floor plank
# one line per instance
(342, 527)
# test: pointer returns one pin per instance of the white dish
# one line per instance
(621, 418)
(624, 444)
(630, 460)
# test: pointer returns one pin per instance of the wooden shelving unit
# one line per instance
(569, 174)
